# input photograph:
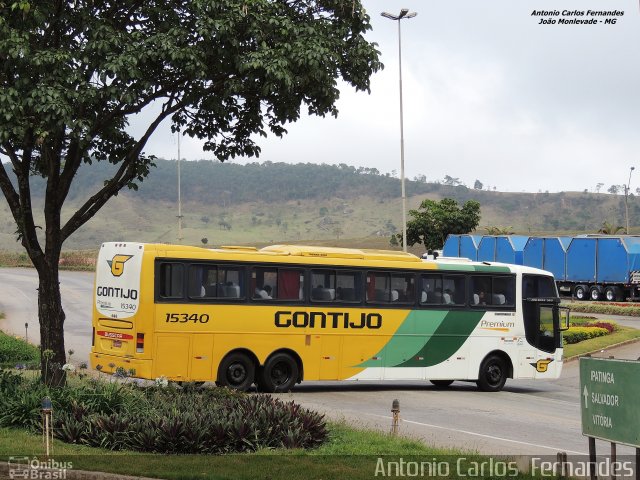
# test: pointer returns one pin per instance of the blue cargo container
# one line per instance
(581, 260)
(451, 246)
(487, 249)
(469, 246)
(510, 249)
(464, 246)
(548, 253)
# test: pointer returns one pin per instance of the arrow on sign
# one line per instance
(585, 393)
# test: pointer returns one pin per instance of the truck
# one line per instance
(587, 267)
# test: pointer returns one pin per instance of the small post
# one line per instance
(47, 424)
(613, 461)
(395, 411)
(592, 459)
(26, 332)
(561, 459)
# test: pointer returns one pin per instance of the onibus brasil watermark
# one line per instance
(35, 468)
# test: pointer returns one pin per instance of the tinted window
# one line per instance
(171, 280)
(388, 287)
(538, 286)
(431, 289)
(277, 284)
(333, 285)
(453, 290)
(213, 281)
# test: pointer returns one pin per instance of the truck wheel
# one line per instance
(595, 293)
(612, 294)
(580, 292)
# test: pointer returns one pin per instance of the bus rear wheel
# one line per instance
(279, 374)
(493, 374)
(441, 383)
(237, 371)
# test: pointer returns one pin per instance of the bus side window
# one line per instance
(504, 290)
(431, 292)
(171, 280)
(453, 290)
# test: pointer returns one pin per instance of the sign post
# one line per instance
(609, 393)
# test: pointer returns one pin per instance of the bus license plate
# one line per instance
(117, 343)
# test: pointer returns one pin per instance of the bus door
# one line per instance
(544, 322)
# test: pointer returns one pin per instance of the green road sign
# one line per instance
(610, 399)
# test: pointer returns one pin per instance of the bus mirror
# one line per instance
(564, 318)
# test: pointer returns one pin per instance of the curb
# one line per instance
(6, 473)
(626, 342)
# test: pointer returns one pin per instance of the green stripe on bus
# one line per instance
(446, 340)
(426, 338)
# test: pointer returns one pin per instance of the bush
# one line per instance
(161, 420)
(14, 351)
(579, 334)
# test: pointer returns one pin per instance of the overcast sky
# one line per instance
(489, 94)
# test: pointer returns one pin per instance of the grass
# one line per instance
(351, 453)
(15, 351)
(622, 334)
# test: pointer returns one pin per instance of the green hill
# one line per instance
(263, 203)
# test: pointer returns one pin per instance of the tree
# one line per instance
(434, 220)
(478, 185)
(498, 230)
(613, 189)
(598, 187)
(72, 73)
(204, 240)
(453, 181)
(610, 228)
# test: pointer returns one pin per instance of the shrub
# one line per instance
(579, 334)
(121, 416)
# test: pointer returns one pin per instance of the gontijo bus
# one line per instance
(281, 314)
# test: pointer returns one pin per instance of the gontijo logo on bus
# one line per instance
(117, 264)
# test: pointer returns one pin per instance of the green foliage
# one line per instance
(579, 334)
(630, 309)
(433, 221)
(497, 230)
(15, 351)
(610, 229)
(120, 416)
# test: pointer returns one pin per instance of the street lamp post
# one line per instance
(404, 13)
(626, 199)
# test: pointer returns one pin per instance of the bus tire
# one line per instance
(612, 294)
(492, 375)
(279, 374)
(441, 383)
(237, 371)
(580, 292)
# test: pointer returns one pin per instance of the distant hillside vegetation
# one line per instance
(262, 203)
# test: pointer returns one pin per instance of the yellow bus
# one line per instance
(282, 314)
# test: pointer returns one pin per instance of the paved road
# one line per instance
(528, 417)
(18, 300)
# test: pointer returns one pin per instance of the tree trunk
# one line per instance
(51, 316)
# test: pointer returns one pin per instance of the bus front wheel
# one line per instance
(279, 374)
(237, 371)
(493, 374)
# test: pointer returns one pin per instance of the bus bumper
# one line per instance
(110, 363)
